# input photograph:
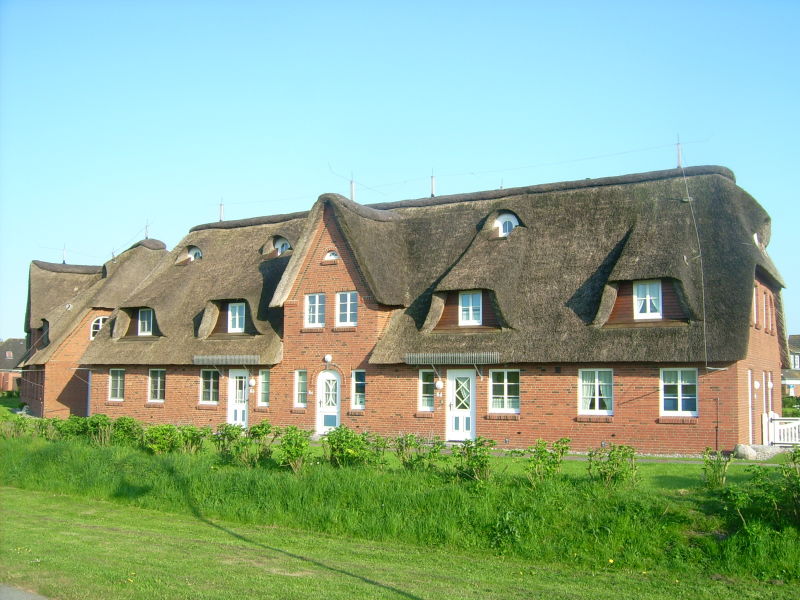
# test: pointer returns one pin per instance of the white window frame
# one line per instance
(162, 389)
(317, 319)
(358, 402)
(471, 319)
(236, 317)
(194, 253)
(331, 255)
(595, 411)
(211, 390)
(421, 390)
(795, 360)
(755, 305)
(120, 392)
(680, 412)
(263, 386)
(647, 314)
(96, 326)
(504, 219)
(767, 319)
(506, 398)
(349, 316)
(147, 321)
(300, 401)
(281, 245)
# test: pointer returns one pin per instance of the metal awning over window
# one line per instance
(452, 358)
(227, 359)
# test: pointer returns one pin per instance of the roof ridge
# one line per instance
(67, 268)
(265, 220)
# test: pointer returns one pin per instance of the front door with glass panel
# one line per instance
(237, 397)
(328, 401)
(460, 405)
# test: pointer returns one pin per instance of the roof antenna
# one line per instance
(433, 184)
(64, 255)
(146, 228)
(501, 183)
(352, 188)
(221, 210)
(680, 152)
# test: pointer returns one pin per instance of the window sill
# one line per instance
(423, 414)
(312, 330)
(113, 402)
(677, 420)
(328, 263)
(154, 404)
(261, 409)
(502, 417)
(355, 412)
(209, 406)
(297, 411)
(138, 338)
(594, 419)
(229, 336)
(466, 329)
(345, 328)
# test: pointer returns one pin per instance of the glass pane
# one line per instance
(689, 376)
(690, 404)
(670, 403)
(329, 420)
(513, 377)
(669, 376)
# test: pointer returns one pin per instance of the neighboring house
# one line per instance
(68, 306)
(11, 352)
(790, 378)
(640, 310)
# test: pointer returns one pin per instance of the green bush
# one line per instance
(415, 452)
(472, 458)
(543, 463)
(73, 427)
(160, 439)
(346, 448)
(715, 468)
(295, 448)
(193, 438)
(264, 436)
(226, 439)
(47, 428)
(613, 465)
(17, 426)
(127, 432)
(99, 429)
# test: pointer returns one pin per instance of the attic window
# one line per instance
(194, 253)
(281, 245)
(505, 223)
(647, 299)
(332, 255)
(145, 318)
(97, 325)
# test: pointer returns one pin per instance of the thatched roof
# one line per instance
(16, 346)
(60, 294)
(794, 343)
(236, 264)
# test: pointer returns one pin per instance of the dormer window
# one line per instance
(236, 313)
(470, 308)
(505, 223)
(332, 255)
(647, 299)
(145, 319)
(97, 325)
(194, 253)
(281, 245)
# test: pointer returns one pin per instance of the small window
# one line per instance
(427, 390)
(767, 315)
(469, 308)
(679, 392)
(504, 391)
(359, 389)
(505, 223)
(145, 321)
(263, 393)
(194, 253)
(315, 310)
(157, 384)
(755, 305)
(9, 354)
(236, 312)
(97, 325)
(116, 384)
(209, 386)
(596, 392)
(281, 245)
(647, 300)
(332, 255)
(300, 388)
(346, 309)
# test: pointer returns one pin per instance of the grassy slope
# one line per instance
(70, 548)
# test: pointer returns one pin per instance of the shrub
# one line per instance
(346, 448)
(715, 468)
(543, 463)
(415, 452)
(47, 428)
(264, 435)
(472, 458)
(16, 426)
(160, 439)
(99, 429)
(193, 438)
(127, 432)
(295, 447)
(226, 437)
(613, 465)
(73, 427)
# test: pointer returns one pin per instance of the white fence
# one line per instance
(784, 431)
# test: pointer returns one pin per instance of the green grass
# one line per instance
(667, 522)
(10, 400)
(75, 548)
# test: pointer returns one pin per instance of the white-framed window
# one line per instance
(346, 309)
(331, 255)
(795, 361)
(470, 307)
(504, 391)
(116, 384)
(427, 389)
(315, 310)
(679, 392)
(209, 386)
(359, 389)
(145, 318)
(236, 313)
(596, 392)
(157, 385)
(505, 223)
(767, 316)
(194, 253)
(97, 325)
(647, 299)
(755, 305)
(301, 388)
(281, 245)
(263, 387)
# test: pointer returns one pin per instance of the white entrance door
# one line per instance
(460, 405)
(328, 401)
(237, 397)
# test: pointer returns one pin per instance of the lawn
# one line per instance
(76, 548)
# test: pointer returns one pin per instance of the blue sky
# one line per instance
(117, 115)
